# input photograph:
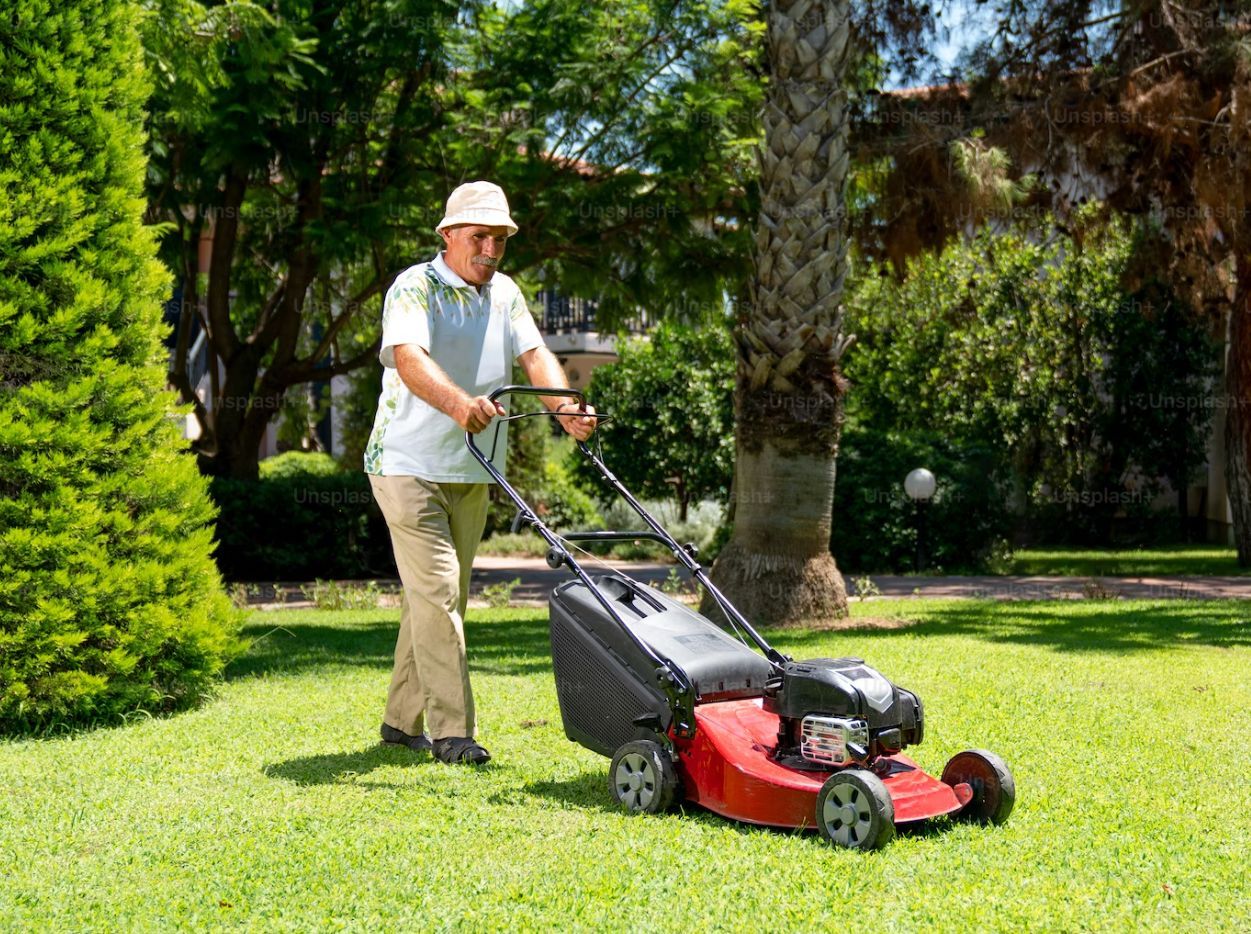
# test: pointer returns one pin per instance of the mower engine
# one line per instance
(838, 711)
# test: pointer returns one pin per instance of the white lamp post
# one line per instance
(920, 486)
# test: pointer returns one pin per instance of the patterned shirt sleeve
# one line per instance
(405, 317)
(525, 332)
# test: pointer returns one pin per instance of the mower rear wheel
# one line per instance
(854, 810)
(642, 777)
(994, 790)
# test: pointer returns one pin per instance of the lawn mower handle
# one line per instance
(671, 677)
(537, 391)
(558, 555)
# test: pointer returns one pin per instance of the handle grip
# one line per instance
(537, 391)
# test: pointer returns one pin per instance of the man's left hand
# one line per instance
(579, 422)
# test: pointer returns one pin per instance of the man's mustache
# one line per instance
(486, 261)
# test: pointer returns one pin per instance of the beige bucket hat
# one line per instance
(478, 203)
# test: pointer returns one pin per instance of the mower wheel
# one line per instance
(994, 790)
(642, 777)
(854, 810)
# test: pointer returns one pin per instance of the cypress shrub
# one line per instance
(109, 598)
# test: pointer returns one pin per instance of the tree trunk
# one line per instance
(777, 567)
(1238, 410)
(235, 410)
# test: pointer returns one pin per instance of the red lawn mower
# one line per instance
(686, 711)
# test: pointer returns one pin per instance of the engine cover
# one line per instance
(848, 689)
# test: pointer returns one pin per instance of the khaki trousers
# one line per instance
(435, 530)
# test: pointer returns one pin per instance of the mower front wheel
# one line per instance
(854, 810)
(994, 790)
(642, 777)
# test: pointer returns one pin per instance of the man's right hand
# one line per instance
(476, 412)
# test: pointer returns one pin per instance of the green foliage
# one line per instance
(562, 504)
(513, 545)
(875, 523)
(109, 602)
(299, 463)
(307, 518)
(528, 440)
(703, 527)
(498, 596)
(536, 471)
(301, 526)
(321, 158)
(1029, 343)
(625, 132)
(556, 499)
(331, 595)
(866, 588)
(671, 400)
(355, 410)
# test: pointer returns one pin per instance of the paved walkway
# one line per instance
(537, 579)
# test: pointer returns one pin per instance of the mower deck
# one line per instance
(728, 771)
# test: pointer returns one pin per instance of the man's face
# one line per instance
(473, 251)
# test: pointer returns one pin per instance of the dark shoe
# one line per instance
(393, 737)
(460, 750)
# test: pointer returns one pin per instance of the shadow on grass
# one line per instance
(517, 643)
(589, 791)
(287, 644)
(1065, 626)
(332, 768)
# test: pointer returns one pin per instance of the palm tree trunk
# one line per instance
(777, 565)
(1238, 410)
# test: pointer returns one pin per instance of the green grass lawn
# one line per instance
(273, 808)
(1166, 560)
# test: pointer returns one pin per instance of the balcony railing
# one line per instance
(577, 315)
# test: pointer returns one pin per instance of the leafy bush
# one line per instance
(703, 521)
(564, 505)
(1034, 346)
(307, 519)
(514, 545)
(672, 402)
(109, 601)
(875, 523)
(331, 595)
(498, 596)
(301, 526)
(299, 463)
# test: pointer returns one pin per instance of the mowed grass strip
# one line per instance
(1160, 561)
(274, 808)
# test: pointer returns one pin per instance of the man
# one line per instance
(451, 329)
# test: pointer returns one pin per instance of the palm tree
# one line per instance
(777, 566)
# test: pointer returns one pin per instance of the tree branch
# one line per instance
(225, 234)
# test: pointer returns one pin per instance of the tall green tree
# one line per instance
(312, 145)
(109, 600)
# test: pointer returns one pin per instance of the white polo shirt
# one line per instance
(474, 337)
